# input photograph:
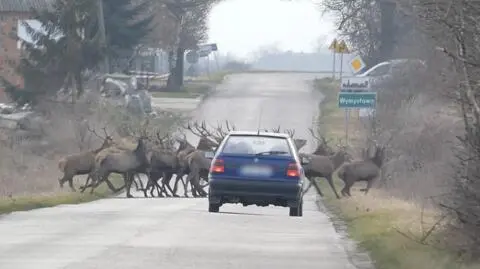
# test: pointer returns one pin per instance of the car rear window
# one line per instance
(257, 145)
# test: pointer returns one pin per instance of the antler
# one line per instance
(313, 134)
(290, 132)
(162, 140)
(276, 130)
(320, 138)
(201, 130)
(232, 128)
(96, 134)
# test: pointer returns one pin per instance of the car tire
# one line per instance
(214, 208)
(297, 211)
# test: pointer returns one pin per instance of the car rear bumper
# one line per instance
(259, 192)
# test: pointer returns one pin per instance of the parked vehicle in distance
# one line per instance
(257, 168)
(388, 69)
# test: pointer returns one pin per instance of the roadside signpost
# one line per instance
(205, 50)
(357, 64)
(342, 49)
(333, 47)
(192, 57)
(338, 47)
(357, 99)
(355, 93)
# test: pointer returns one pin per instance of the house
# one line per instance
(12, 12)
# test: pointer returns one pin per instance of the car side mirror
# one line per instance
(304, 160)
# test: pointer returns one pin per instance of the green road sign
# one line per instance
(357, 99)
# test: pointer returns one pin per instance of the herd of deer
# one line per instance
(157, 158)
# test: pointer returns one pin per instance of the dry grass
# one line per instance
(390, 228)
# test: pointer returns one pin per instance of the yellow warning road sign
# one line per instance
(339, 46)
(333, 45)
(342, 47)
(357, 64)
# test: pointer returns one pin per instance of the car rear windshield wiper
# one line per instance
(272, 152)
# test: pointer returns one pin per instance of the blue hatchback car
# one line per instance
(257, 168)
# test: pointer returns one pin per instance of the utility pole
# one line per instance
(103, 38)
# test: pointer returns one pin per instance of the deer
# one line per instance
(113, 148)
(323, 165)
(83, 163)
(365, 170)
(126, 162)
(192, 162)
(163, 164)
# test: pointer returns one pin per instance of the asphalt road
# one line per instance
(179, 232)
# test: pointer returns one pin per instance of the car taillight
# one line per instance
(292, 170)
(218, 166)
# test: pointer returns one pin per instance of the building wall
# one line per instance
(9, 53)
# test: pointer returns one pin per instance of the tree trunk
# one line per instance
(180, 65)
(175, 78)
(79, 83)
(388, 30)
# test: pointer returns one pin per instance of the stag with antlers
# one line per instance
(192, 161)
(323, 162)
(366, 170)
(83, 163)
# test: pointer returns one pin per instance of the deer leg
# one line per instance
(193, 178)
(348, 185)
(97, 179)
(178, 177)
(153, 183)
(162, 185)
(166, 183)
(157, 186)
(70, 184)
(82, 188)
(112, 187)
(128, 184)
(148, 186)
(66, 177)
(315, 184)
(308, 187)
(136, 185)
(369, 185)
(160, 190)
(185, 185)
(330, 182)
(140, 181)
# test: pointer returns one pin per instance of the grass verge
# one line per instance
(390, 229)
(331, 121)
(23, 203)
(182, 94)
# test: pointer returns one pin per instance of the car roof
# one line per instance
(271, 134)
(393, 62)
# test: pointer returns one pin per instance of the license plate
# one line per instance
(256, 170)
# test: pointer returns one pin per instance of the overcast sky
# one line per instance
(243, 26)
